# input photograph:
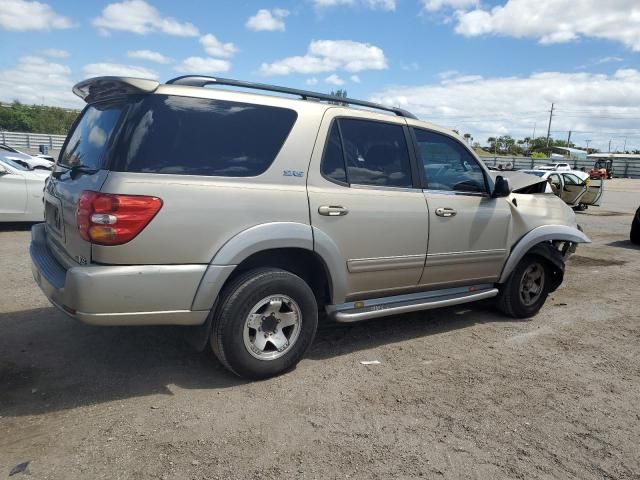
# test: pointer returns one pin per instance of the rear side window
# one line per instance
(197, 136)
(90, 137)
(374, 153)
(333, 159)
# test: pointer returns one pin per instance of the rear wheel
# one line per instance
(527, 288)
(266, 321)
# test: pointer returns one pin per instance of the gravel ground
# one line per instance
(459, 393)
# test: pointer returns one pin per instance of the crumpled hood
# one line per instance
(520, 180)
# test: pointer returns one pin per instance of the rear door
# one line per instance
(364, 197)
(79, 168)
(593, 195)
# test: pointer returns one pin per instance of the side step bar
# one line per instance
(382, 307)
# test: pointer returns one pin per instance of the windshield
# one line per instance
(89, 140)
(13, 164)
(533, 172)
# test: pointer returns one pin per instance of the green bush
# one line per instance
(538, 155)
(36, 118)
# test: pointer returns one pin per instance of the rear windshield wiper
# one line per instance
(74, 171)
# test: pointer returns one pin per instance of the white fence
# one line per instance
(628, 168)
(32, 140)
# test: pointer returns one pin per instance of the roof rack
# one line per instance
(202, 81)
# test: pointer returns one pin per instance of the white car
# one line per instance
(29, 161)
(571, 187)
(21, 192)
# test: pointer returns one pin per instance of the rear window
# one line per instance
(197, 136)
(90, 137)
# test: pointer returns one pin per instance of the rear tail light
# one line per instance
(109, 219)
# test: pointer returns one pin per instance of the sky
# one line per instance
(487, 68)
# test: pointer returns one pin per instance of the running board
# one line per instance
(382, 307)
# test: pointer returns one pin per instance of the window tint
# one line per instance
(375, 153)
(198, 136)
(447, 164)
(333, 160)
(89, 139)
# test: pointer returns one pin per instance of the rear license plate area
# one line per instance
(53, 217)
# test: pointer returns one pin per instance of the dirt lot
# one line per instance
(459, 393)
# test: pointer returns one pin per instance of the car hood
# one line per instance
(520, 181)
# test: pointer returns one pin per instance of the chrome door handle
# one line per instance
(446, 212)
(332, 210)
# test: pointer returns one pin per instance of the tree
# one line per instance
(339, 93)
(36, 118)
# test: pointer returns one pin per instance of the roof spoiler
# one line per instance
(102, 88)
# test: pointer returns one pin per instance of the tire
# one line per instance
(634, 236)
(512, 299)
(248, 325)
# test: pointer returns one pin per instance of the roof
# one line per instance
(629, 156)
(571, 150)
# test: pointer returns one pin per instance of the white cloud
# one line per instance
(118, 70)
(216, 48)
(149, 55)
(35, 80)
(268, 20)
(334, 79)
(435, 5)
(311, 81)
(592, 105)
(203, 65)
(355, 78)
(388, 5)
(56, 53)
(139, 17)
(557, 21)
(329, 56)
(410, 67)
(23, 15)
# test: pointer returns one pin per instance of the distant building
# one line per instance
(571, 153)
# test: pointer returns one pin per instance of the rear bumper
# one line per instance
(118, 295)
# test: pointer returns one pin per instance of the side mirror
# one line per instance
(501, 187)
(3, 171)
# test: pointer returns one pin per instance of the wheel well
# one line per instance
(306, 264)
(553, 257)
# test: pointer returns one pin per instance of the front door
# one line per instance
(468, 230)
(573, 188)
(363, 199)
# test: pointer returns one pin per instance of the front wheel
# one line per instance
(266, 321)
(527, 288)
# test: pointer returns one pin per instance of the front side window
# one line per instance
(90, 137)
(375, 153)
(200, 136)
(570, 179)
(447, 164)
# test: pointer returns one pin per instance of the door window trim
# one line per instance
(416, 184)
(423, 178)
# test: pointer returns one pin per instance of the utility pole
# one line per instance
(610, 145)
(549, 127)
(624, 149)
(569, 140)
(588, 142)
